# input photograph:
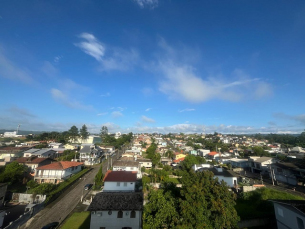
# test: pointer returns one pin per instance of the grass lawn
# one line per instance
(78, 220)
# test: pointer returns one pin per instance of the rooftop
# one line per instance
(61, 165)
(123, 176)
(104, 201)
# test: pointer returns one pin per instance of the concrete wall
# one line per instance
(286, 179)
(103, 219)
(28, 198)
(251, 188)
(228, 180)
(112, 186)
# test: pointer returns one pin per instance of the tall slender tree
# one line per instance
(73, 133)
(84, 134)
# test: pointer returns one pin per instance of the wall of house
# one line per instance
(103, 219)
(228, 180)
(145, 164)
(123, 186)
(69, 171)
(285, 179)
(286, 218)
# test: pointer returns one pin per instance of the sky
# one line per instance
(144, 66)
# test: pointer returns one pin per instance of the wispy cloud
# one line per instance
(299, 118)
(147, 3)
(11, 71)
(105, 95)
(116, 114)
(91, 46)
(148, 109)
(146, 119)
(102, 114)
(187, 109)
(64, 99)
(17, 111)
(147, 91)
(109, 58)
(57, 58)
(181, 81)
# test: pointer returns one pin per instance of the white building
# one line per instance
(120, 181)
(132, 166)
(113, 210)
(57, 172)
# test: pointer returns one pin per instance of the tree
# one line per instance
(161, 210)
(13, 172)
(98, 180)
(73, 133)
(191, 160)
(84, 132)
(104, 132)
(206, 203)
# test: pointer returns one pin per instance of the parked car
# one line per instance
(88, 186)
(52, 225)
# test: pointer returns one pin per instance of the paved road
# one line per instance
(60, 209)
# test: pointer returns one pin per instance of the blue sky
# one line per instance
(153, 65)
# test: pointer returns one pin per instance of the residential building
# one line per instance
(260, 164)
(57, 171)
(92, 139)
(46, 152)
(113, 210)
(34, 162)
(288, 173)
(147, 163)
(12, 152)
(90, 154)
(127, 166)
(290, 214)
(120, 181)
(223, 175)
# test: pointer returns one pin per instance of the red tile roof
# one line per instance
(178, 160)
(213, 153)
(61, 165)
(123, 176)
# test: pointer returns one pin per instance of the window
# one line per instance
(133, 214)
(110, 213)
(102, 227)
(125, 184)
(118, 184)
(120, 214)
(300, 223)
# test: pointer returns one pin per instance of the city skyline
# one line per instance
(147, 66)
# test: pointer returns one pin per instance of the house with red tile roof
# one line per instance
(179, 160)
(34, 162)
(212, 155)
(120, 181)
(57, 172)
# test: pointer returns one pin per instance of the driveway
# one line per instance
(60, 208)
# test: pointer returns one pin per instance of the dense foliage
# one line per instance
(98, 180)
(13, 172)
(202, 202)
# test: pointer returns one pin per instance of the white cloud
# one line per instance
(148, 109)
(57, 58)
(114, 59)
(63, 98)
(146, 119)
(147, 3)
(187, 109)
(91, 46)
(102, 114)
(116, 114)
(181, 81)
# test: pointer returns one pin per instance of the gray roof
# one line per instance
(262, 159)
(42, 151)
(104, 201)
(297, 206)
(31, 150)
